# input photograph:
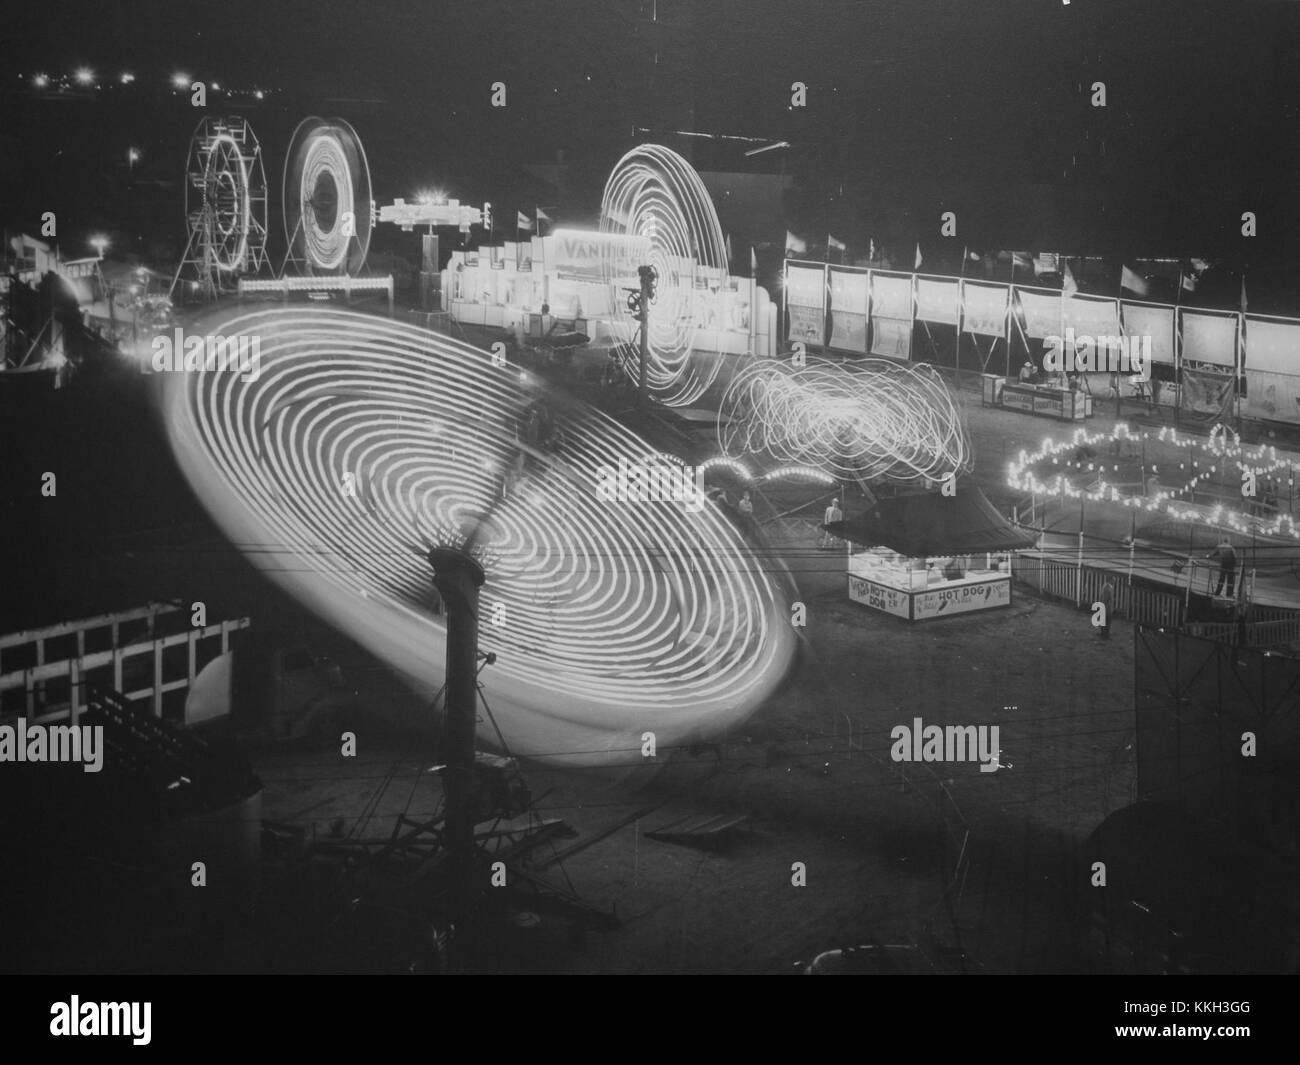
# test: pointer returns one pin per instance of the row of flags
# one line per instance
(1042, 263)
(522, 221)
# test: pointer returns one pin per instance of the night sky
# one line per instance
(914, 108)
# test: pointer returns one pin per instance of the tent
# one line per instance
(930, 524)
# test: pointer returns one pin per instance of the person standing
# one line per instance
(1107, 600)
(1226, 556)
(833, 514)
(746, 507)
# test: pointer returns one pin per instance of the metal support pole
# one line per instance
(458, 578)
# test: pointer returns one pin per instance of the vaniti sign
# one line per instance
(587, 255)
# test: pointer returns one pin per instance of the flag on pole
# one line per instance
(1133, 282)
(753, 262)
(1187, 282)
(1045, 262)
(522, 221)
(1021, 260)
(793, 245)
(917, 264)
(728, 243)
(1243, 293)
(1069, 288)
(833, 244)
(871, 255)
(542, 216)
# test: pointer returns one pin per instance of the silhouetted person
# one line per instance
(1226, 556)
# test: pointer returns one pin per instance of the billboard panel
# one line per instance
(1273, 346)
(849, 292)
(892, 337)
(1210, 338)
(1155, 322)
(985, 309)
(891, 297)
(937, 301)
(1092, 316)
(1042, 313)
(805, 295)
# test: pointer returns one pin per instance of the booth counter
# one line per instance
(918, 588)
(925, 555)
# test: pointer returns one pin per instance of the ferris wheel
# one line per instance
(326, 198)
(225, 206)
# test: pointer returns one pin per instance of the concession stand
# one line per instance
(926, 555)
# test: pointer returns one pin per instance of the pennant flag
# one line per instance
(917, 264)
(871, 255)
(1133, 282)
(1069, 288)
(833, 244)
(522, 221)
(1021, 260)
(1200, 265)
(728, 249)
(1243, 293)
(753, 262)
(1187, 282)
(793, 245)
(542, 216)
(1046, 262)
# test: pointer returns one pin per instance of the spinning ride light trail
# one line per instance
(868, 418)
(325, 198)
(362, 442)
(656, 194)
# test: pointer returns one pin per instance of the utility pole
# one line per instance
(458, 578)
(649, 277)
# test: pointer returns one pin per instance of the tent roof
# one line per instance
(925, 524)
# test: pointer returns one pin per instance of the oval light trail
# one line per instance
(609, 619)
(655, 194)
(867, 418)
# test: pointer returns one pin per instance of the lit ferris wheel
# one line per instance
(326, 198)
(654, 193)
(225, 206)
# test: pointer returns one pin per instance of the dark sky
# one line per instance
(914, 106)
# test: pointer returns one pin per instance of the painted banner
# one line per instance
(1210, 338)
(891, 297)
(937, 301)
(805, 294)
(985, 309)
(1155, 322)
(962, 599)
(849, 294)
(1273, 396)
(1272, 346)
(1042, 313)
(879, 597)
(1092, 316)
(892, 337)
(1204, 392)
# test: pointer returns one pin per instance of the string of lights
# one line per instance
(363, 442)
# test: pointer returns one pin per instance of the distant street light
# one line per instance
(181, 81)
(126, 78)
(100, 244)
(41, 81)
(132, 157)
(85, 76)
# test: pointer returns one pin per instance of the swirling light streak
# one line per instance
(609, 619)
(868, 418)
(326, 157)
(654, 193)
(1223, 445)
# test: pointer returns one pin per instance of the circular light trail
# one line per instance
(655, 194)
(868, 418)
(361, 442)
(325, 194)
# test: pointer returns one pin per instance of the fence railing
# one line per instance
(1082, 585)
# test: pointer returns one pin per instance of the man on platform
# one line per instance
(1226, 556)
